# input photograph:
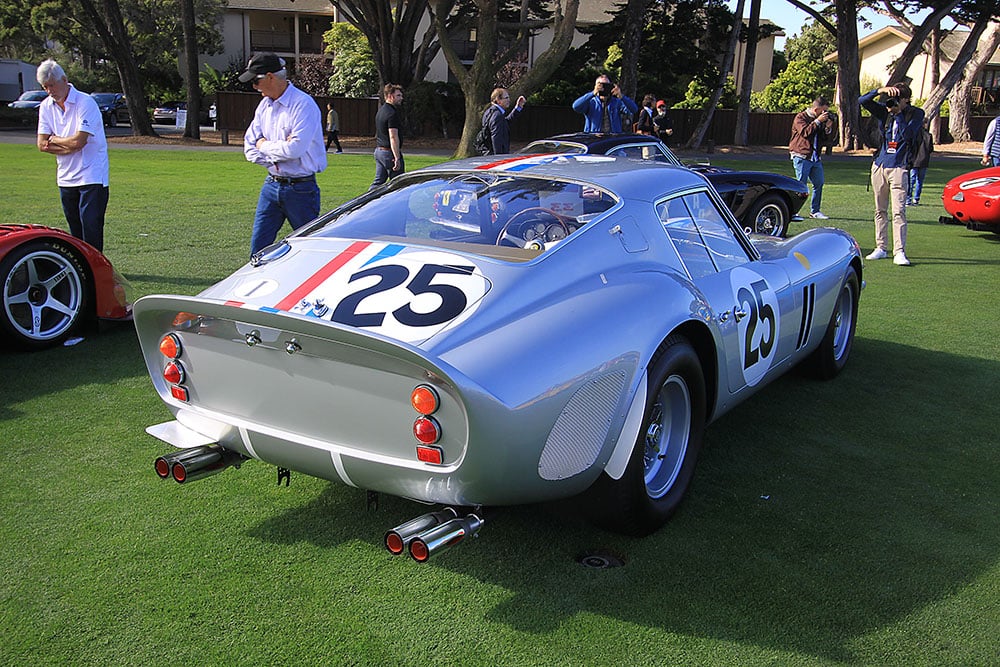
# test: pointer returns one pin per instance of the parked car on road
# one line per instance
(763, 202)
(29, 99)
(166, 113)
(498, 331)
(113, 108)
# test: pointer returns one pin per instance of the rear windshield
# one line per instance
(518, 216)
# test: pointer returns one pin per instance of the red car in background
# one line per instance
(973, 200)
(53, 284)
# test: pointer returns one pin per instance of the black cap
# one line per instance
(262, 63)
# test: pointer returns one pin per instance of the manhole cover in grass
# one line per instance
(600, 560)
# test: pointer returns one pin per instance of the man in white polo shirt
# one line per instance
(70, 126)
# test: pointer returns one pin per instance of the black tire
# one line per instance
(768, 215)
(831, 356)
(666, 450)
(45, 294)
(112, 119)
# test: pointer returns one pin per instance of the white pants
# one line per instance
(890, 183)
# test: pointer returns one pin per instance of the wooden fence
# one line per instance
(357, 118)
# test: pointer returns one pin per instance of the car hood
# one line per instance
(405, 292)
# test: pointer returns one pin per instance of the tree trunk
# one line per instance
(110, 28)
(727, 64)
(960, 97)
(848, 74)
(192, 127)
(741, 136)
(932, 107)
(916, 44)
(635, 15)
(478, 80)
(935, 56)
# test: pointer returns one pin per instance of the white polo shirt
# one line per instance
(88, 166)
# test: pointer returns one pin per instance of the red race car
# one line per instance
(53, 284)
(973, 200)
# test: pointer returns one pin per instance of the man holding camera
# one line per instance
(900, 125)
(811, 131)
(602, 107)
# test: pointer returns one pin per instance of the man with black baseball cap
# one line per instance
(286, 137)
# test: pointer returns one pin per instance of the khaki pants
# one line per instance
(890, 184)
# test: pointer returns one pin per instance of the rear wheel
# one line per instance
(768, 215)
(45, 294)
(663, 458)
(831, 355)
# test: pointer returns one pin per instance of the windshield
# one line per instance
(104, 98)
(33, 96)
(475, 211)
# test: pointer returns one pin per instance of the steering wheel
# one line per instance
(522, 242)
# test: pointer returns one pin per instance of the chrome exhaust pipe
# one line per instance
(439, 538)
(397, 539)
(163, 464)
(189, 465)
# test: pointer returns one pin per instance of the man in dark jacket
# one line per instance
(811, 131)
(496, 120)
(900, 125)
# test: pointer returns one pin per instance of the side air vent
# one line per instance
(581, 429)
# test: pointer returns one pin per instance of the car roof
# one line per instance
(631, 179)
(599, 142)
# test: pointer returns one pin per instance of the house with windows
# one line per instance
(879, 51)
(294, 29)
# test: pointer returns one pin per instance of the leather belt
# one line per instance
(382, 148)
(281, 180)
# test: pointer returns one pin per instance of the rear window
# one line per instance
(518, 216)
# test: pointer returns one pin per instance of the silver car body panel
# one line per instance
(540, 371)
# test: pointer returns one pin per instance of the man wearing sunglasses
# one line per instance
(286, 137)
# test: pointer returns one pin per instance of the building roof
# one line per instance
(324, 7)
(950, 45)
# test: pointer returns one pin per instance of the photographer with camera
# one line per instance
(812, 129)
(602, 107)
(900, 125)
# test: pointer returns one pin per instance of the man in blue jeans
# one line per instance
(70, 126)
(286, 137)
(812, 129)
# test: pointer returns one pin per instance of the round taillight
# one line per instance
(424, 400)
(170, 346)
(426, 430)
(173, 373)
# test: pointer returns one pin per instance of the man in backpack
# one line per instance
(900, 125)
(496, 121)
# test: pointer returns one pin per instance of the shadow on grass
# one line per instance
(104, 356)
(820, 512)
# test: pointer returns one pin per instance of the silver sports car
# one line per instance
(491, 332)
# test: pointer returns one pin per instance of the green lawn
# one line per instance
(848, 522)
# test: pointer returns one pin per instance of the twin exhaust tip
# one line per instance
(431, 533)
(194, 463)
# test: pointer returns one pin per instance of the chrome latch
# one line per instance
(292, 346)
(253, 338)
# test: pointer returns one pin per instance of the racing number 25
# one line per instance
(761, 314)
(453, 299)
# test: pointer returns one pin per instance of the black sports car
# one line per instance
(763, 202)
